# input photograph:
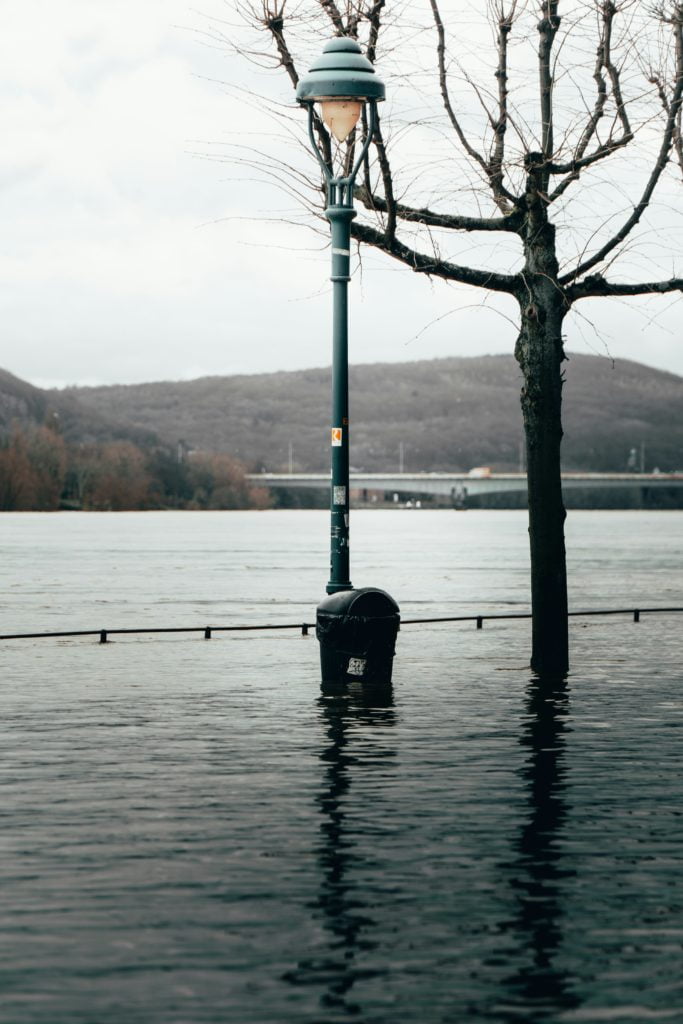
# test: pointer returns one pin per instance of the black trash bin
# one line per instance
(357, 633)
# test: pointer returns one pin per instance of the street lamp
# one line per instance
(356, 628)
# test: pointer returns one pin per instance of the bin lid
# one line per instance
(369, 601)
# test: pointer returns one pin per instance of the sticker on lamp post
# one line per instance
(339, 495)
(336, 437)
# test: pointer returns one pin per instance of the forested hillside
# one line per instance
(56, 452)
(444, 414)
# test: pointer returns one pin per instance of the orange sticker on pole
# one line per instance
(336, 437)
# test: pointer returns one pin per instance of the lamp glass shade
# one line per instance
(341, 116)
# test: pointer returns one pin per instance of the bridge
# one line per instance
(461, 485)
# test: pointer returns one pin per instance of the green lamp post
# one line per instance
(356, 628)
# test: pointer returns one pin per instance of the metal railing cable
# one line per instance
(304, 627)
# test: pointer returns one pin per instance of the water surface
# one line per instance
(193, 832)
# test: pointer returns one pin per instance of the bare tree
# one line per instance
(547, 118)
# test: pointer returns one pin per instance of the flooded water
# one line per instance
(193, 832)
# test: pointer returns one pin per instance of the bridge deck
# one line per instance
(448, 483)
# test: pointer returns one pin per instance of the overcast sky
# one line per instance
(130, 254)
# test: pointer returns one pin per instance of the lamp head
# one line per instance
(341, 79)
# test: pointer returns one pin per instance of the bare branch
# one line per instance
(678, 137)
(601, 97)
(609, 10)
(547, 30)
(374, 18)
(668, 135)
(511, 222)
(505, 21)
(429, 265)
(574, 166)
(334, 15)
(274, 20)
(603, 62)
(502, 197)
(387, 182)
(597, 286)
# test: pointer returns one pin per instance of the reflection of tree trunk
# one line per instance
(340, 901)
(537, 872)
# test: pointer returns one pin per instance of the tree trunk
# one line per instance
(540, 354)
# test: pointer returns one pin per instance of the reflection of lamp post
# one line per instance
(339, 960)
(343, 81)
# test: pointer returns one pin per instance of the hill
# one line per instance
(445, 414)
(23, 405)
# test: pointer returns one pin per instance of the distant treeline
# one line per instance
(40, 471)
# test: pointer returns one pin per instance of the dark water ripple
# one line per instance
(193, 832)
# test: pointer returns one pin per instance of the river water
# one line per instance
(193, 832)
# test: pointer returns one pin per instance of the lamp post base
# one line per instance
(357, 633)
(337, 588)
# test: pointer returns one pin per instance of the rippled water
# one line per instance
(193, 832)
